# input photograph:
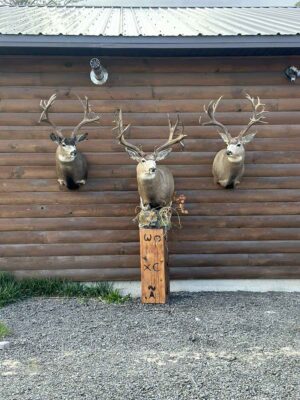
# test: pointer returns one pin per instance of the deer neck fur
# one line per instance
(236, 160)
(156, 190)
(233, 162)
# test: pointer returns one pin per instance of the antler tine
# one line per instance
(173, 128)
(119, 126)
(210, 112)
(257, 115)
(88, 116)
(45, 105)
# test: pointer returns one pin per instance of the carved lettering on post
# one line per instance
(147, 238)
(154, 271)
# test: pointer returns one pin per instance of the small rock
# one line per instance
(4, 345)
(193, 337)
(227, 357)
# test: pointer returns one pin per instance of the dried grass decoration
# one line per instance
(161, 217)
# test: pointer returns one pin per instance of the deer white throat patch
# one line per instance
(235, 159)
(66, 158)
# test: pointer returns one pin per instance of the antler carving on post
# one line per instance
(120, 128)
(88, 116)
(178, 126)
(45, 105)
(210, 112)
(257, 115)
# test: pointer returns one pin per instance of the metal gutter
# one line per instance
(140, 42)
(41, 43)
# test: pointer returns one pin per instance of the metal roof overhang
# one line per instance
(158, 45)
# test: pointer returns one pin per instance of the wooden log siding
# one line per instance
(252, 232)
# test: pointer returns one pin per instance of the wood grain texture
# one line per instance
(154, 266)
(252, 232)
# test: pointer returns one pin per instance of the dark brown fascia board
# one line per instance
(141, 42)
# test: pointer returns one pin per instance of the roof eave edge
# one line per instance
(141, 42)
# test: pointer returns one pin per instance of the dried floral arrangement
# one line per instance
(161, 217)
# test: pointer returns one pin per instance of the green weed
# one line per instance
(12, 290)
(4, 330)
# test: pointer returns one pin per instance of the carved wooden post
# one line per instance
(154, 266)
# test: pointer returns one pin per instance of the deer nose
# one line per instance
(229, 153)
(73, 153)
(152, 170)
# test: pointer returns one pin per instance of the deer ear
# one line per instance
(55, 138)
(248, 138)
(133, 154)
(81, 138)
(161, 155)
(224, 137)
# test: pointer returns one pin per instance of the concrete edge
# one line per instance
(217, 285)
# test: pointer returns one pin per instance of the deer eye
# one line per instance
(143, 160)
(239, 145)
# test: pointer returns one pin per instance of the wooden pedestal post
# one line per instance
(154, 266)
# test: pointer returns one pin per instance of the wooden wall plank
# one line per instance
(237, 272)
(191, 145)
(132, 248)
(176, 158)
(148, 118)
(102, 132)
(125, 223)
(40, 64)
(129, 199)
(129, 171)
(114, 210)
(124, 184)
(147, 78)
(147, 106)
(147, 92)
(251, 232)
(131, 261)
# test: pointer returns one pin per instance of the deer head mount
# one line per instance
(71, 165)
(292, 73)
(155, 183)
(228, 165)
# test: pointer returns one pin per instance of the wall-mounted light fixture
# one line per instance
(292, 73)
(99, 74)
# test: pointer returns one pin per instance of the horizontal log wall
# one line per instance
(252, 232)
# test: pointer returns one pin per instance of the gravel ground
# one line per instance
(199, 346)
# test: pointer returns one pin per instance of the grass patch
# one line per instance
(4, 330)
(12, 290)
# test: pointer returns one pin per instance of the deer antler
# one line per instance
(257, 115)
(45, 105)
(178, 126)
(119, 126)
(88, 116)
(210, 112)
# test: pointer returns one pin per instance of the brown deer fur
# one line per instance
(155, 183)
(71, 165)
(228, 165)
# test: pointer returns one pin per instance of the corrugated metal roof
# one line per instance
(149, 22)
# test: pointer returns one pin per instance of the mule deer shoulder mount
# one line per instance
(71, 165)
(155, 183)
(228, 165)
